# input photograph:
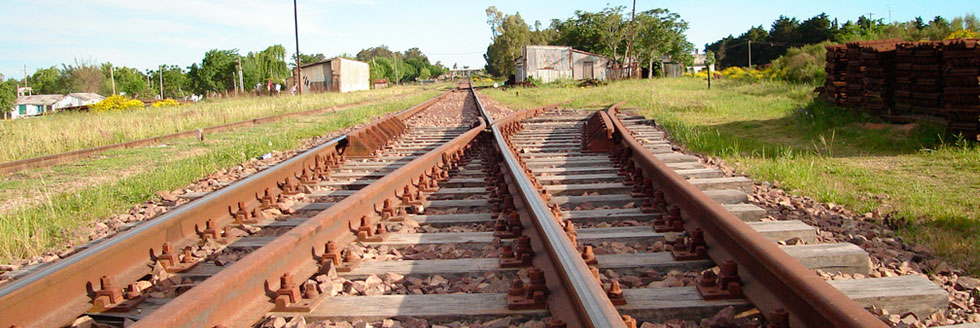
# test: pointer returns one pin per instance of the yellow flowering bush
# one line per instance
(116, 103)
(165, 103)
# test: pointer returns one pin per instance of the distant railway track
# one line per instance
(576, 218)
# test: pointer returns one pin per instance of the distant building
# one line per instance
(336, 75)
(699, 63)
(78, 99)
(550, 63)
(33, 105)
(463, 72)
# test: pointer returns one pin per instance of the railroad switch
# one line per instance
(693, 248)
(725, 285)
(112, 299)
(615, 293)
(533, 296)
(289, 299)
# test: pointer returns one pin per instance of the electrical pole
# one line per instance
(112, 77)
(161, 82)
(629, 48)
(241, 77)
(299, 69)
(750, 53)
(394, 62)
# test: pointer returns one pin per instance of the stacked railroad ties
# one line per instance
(900, 81)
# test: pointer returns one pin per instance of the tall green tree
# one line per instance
(216, 72)
(659, 33)
(266, 65)
(49, 81)
(8, 94)
(510, 34)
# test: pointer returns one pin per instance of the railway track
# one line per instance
(541, 217)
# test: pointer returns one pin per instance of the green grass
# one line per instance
(61, 217)
(67, 131)
(778, 132)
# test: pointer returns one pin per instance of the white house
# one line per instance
(78, 99)
(336, 75)
(33, 105)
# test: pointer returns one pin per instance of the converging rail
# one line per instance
(450, 212)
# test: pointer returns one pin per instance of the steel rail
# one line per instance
(586, 303)
(772, 278)
(237, 296)
(56, 293)
(54, 159)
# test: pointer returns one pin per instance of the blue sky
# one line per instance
(144, 34)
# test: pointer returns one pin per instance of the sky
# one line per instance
(145, 34)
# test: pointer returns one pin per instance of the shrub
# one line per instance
(116, 103)
(801, 65)
(165, 103)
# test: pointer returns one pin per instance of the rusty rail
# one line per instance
(238, 295)
(54, 159)
(773, 280)
(576, 296)
(55, 294)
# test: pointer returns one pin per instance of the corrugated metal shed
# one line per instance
(336, 75)
(550, 63)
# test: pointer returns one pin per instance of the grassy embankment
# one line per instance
(67, 131)
(778, 132)
(139, 172)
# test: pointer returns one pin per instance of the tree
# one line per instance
(424, 74)
(266, 65)
(48, 81)
(306, 59)
(216, 72)
(660, 32)
(82, 77)
(8, 94)
(510, 35)
(381, 51)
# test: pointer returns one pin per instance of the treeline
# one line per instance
(657, 33)
(394, 66)
(216, 73)
(789, 32)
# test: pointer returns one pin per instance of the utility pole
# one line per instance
(629, 48)
(394, 62)
(750, 53)
(161, 82)
(25, 75)
(241, 77)
(299, 69)
(112, 77)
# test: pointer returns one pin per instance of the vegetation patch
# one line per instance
(67, 131)
(916, 178)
